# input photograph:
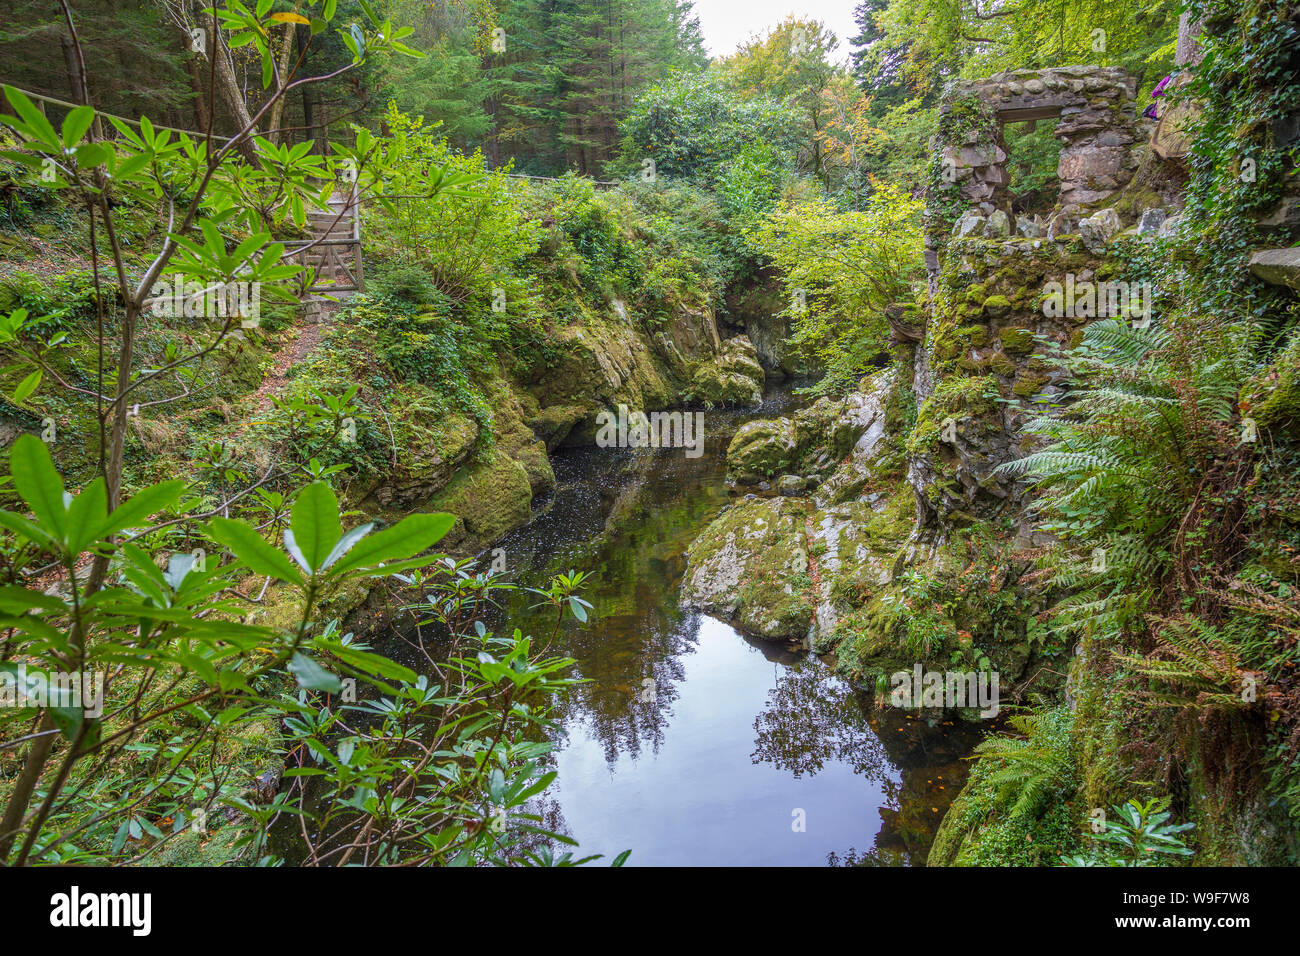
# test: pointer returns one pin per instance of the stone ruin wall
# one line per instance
(1096, 124)
(987, 269)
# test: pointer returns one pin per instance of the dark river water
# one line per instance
(693, 743)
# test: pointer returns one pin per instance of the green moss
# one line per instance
(488, 500)
(999, 364)
(760, 449)
(955, 397)
(1017, 341)
(997, 306)
(1028, 385)
(1276, 394)
(751, 564)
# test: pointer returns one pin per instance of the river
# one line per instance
(693, 744)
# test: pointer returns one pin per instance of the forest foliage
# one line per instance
(798, 159)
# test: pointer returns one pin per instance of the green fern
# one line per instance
(1033, 769)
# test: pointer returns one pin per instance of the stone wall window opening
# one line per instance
(1033, 155)
(1095, 124)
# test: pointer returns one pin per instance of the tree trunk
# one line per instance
(74, 70)
(284, 58)
(228, 87)
(200, 97)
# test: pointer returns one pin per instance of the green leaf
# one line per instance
(249, 547)
(346, 542)
(75, 125)
(90, 155)
(16, 600)
(315, 523)
(295, 552)
(374, 664)
(578, 610)
(132, 165)
(312, 676)
(26, 387)
(410, 536)
(146, 502)
(26, 529)
(86, 515)
(496, 785)
(39, 483)
(537, 786)
(35, 120)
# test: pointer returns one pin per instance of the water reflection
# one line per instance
(692, 744)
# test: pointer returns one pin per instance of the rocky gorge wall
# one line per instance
(882, 527)
(603, 362)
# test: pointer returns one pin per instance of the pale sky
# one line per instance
(727, 23)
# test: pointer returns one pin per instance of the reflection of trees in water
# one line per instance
(931, 756)
(626, 517)
(810, 718)
(636, 556)
(613, 707)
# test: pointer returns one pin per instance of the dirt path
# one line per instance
(304, 342)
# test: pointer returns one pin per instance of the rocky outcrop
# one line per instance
(812, 441)
(759, 309)
(788, 567)
(607, 360)
(732, 377)
(437, 448)
(987, 360)
(1277, 266)
(488, 472)
(750, 567)
(488, 499)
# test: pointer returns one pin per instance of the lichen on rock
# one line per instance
(732, 377)
(750, 567)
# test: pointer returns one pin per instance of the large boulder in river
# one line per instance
(814, 440)
(750, 568)
(761, 449)
(732, 377)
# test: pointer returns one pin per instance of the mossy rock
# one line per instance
(1275, 395)
(750, 567)
(733, 377)
(541, 476)
(999, 364)
(1016, 341)
(760, 449)
(432, 443)
(488, 499)
(553, 423)
(947, 350)
(1029, 384)
(996, 306)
